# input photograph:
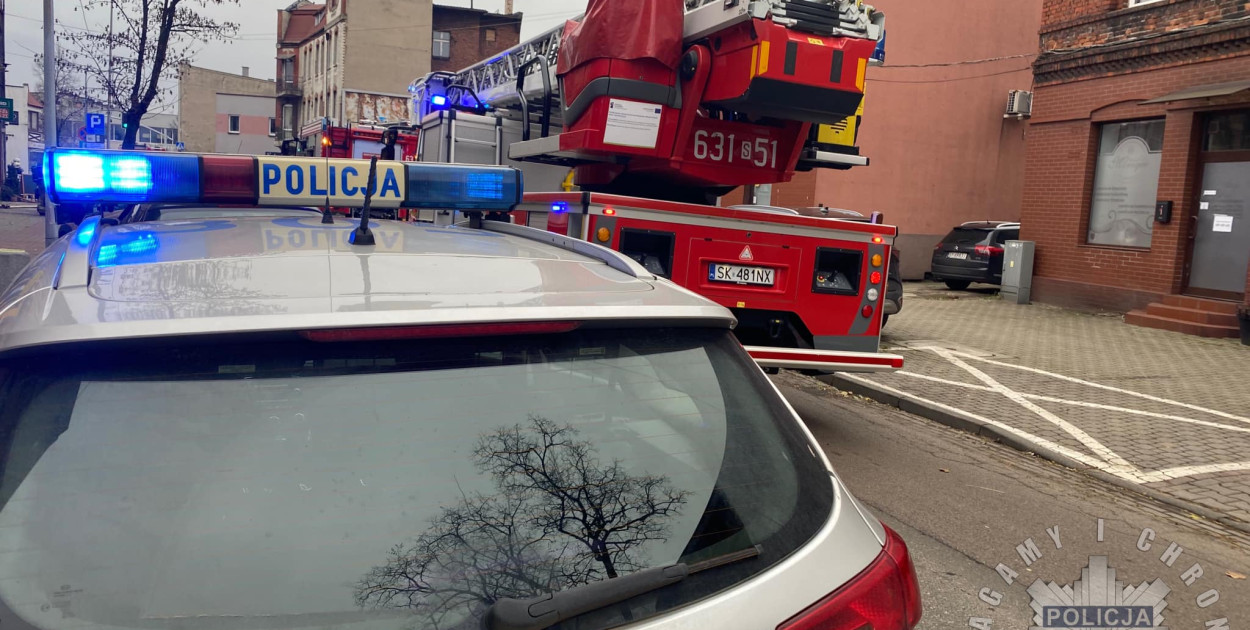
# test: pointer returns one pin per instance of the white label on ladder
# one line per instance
(633, 124)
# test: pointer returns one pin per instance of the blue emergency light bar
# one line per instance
(83, 176)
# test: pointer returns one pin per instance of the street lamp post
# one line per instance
(49, 113)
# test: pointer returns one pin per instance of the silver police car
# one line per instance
(262, 423)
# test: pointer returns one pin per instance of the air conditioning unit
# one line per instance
(1019, 104)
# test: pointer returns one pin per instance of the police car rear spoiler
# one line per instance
(824, 360)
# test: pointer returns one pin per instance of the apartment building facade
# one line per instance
(221, 112)
(347, 61)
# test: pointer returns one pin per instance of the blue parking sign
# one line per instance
(95, 124)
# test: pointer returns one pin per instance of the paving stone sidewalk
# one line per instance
(1152, 409)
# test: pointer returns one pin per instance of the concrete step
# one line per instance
(1201, 304)
(1146, 320)
(1194, 315)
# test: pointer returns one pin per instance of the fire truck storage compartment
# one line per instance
(837, 271)
(600, 62)
(652, 249)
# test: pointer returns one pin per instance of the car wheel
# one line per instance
(958, 285)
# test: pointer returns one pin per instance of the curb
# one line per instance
(965, 423)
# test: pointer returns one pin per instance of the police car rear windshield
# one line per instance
(280, 483)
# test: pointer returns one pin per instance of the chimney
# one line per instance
(247, 72)
(507, 7)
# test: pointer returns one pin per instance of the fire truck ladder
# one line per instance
(510, 109)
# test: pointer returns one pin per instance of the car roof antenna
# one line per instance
(362, 235)
(327, 217)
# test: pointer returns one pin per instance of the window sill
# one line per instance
(233, 133)
(1116, 248)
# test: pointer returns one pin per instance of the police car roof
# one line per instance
(266, 274)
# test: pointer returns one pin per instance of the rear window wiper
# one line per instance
(544, 611)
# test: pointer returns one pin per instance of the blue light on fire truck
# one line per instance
(438, 101)
(559, 206)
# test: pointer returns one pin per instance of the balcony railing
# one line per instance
(288, 87)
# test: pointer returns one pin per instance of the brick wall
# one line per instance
(1063, 11)
(1075, 23)
(468, 29)
(1059, 173)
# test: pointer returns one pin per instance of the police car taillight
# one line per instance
(885, 596)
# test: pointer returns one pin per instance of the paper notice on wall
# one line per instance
(633, 124)
(1223, 223)
(1208, 193)
(1204, 205)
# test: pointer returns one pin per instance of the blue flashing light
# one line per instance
(559, 206)
(131, 247)
(438, 100)
(455, 186)
(121, 176)
(86, 231)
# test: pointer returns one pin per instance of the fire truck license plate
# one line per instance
(741, 275)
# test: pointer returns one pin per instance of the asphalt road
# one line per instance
(21, 227)
(963, 504)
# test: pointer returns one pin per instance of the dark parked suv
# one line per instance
(973, 252)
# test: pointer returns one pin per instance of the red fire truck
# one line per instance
(659, 119)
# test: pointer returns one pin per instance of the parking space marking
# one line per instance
(1104, 458)
(1115, 463)
(1081, 403)
(1088, 460)
(1127, 392)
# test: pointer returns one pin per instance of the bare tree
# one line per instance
(561, 518)
(598, 504)
(152, 38)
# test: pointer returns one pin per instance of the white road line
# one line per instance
(1168, 474)
(1088, 460)
(1081, 403)
(1101, 386)
(1119, 465)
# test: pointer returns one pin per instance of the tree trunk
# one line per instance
(131, 123)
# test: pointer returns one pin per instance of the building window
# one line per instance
(288, 119)
(34, 120)
(490, 35)
(234, 124)
(442, 45)
(1227, 132)
(1126, 181)
(273, 126)
(1138, 3)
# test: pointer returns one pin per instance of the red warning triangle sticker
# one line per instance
(746, 254)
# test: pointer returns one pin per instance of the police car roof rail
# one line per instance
(611, 258)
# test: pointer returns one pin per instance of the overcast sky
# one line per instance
(253, 48)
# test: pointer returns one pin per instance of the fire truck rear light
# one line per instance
(438, 331)
(867, 312)
(874, 278)
(885, 596)
(873, 294)
(603, 234)
(609, 212)
(878, 240)
(877, 260)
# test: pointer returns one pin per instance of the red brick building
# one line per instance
(942, 153)
(463, 37)
(1141, 108)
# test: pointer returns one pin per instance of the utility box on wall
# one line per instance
(1017, 271)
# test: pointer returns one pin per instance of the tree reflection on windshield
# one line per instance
(560, 518)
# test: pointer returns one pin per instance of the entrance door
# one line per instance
(1221, 237)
